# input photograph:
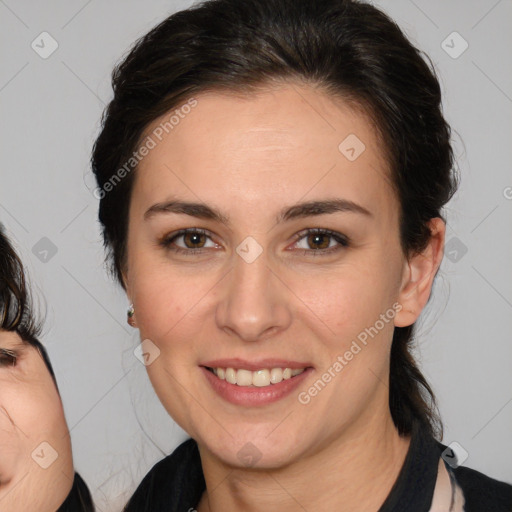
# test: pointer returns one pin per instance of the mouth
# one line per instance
(260, 378)
(253, 384)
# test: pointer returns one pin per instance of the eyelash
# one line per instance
(7, 358)
(343, 241)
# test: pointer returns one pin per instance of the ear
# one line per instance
(418, 275)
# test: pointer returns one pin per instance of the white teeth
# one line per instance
(276, 375)
(231, 375)
(244, 377)
(259, 378)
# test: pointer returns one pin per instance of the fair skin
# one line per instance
(250, 157)
(33, 476)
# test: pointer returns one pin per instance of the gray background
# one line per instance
(50, 115)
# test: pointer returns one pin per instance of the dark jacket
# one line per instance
(176, 483)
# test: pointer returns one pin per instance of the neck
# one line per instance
(355, 472)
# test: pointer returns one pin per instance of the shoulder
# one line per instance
(175, 480)
(482, 492)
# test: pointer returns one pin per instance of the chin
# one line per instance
(255, 451)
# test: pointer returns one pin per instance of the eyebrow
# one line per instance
(300, 210)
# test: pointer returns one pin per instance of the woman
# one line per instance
(271, 176)
(36, 466)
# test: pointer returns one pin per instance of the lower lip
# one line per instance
(254, 396)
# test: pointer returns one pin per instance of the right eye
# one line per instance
(193, 236)
(7, 358)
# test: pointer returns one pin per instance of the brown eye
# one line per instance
(191, 241)
(194, 238)
(318, 241)
(7, 358)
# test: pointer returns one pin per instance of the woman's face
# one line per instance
(259, 292)
(36, 469)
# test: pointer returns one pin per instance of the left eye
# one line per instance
(322, 238)
(7, 358)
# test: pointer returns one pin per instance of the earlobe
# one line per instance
(419, 273)
(130, 316)
(130, 313)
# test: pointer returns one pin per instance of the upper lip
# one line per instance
(255, 364)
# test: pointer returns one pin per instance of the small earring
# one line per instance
(130, 313)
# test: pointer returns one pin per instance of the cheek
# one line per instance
(34, 411)
(11, 448)
(158, 306)
(49, 421)
(164, 297)
(27, 418)
(343, 303)
(31, 413)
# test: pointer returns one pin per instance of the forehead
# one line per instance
(279, 145)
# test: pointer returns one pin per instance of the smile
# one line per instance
(254, 387)
(259, 378)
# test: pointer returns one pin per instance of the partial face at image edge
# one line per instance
(36, 467)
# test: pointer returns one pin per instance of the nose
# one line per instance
(254, 303)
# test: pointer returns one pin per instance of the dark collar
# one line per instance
(414, 487)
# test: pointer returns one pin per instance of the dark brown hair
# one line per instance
(15, 311)
(349, 49)
(16, 314)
